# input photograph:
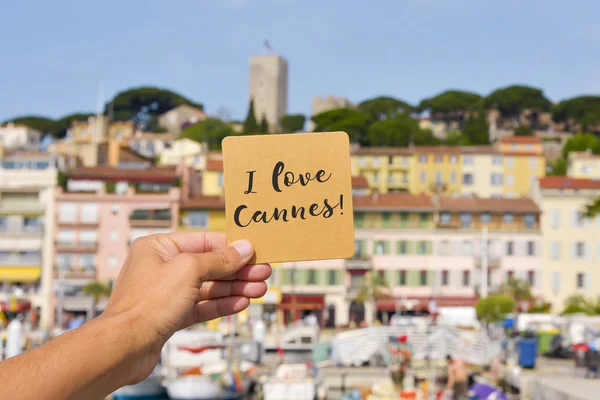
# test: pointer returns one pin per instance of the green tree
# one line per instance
(583, 110)
(451, 104)
(512, 100)
(42, 124)
(383, 107)
(210, 131)
(354, 122)
(523, 130)
(559, 167)
(476, 129)
(141, 104)
(516, 289)
(263, 127)
(400, 130)
(456, 138)
(96, 290)
(494, 308)
(582, 142)
(374, 286)
(578, 304)
(292, 123)
(250, 124)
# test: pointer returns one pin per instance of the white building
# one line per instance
(269, 88)
(27, 186)
(14, 136)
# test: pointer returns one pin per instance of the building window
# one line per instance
(580, 250)
(359, 220)
(114, 235)
(67, 212)
(404, 220)
(312, 277)
(423, 278)
(112, 262)
(86, 261)
(445, 279)
(87, 237)
(376, 161)
(510, 180)
(555, 250)
(445, 218)
(376, 178)
(529, 221)
(391, 160)
(385, 219)
(423, 220)
(402, 278)
(115, 208)
(423, 158)
(361, 161)
(510, 248)
(198, 219)
(555, 218)
(555, 282)
(89, 212)
(466, 278)
(438, 178)
(485, 218)
(220, 179)
(467, 248)
(514, 146)
(531, 278)
(510, 162)
(445, 248)
(496, 179)
(332, 277)
(578, 219)
(421, 247)
(465, 220)
(580, 280)
(452, 159)
(496, 160)
(381, 247)
(468, 179)
(66, 237)
(402, 247)
(439, 158)
(532, 162)
(391, 179)
(509, 218)
(467, 160)
(64, 261)
(453, 177)
(423, 176)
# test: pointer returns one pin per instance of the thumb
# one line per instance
(221, 263)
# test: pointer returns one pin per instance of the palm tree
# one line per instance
(97, 290)
(374, 286)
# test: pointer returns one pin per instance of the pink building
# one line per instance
(101, 212)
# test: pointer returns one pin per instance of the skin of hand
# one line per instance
(167, 283)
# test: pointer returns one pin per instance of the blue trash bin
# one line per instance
(528, 348)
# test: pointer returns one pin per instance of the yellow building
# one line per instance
(583, 165)
(520, 144)
(212, 178)
(436, 168)
(387, 169)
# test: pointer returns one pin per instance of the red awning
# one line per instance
(21, 305)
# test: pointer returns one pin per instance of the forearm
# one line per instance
(86, 363)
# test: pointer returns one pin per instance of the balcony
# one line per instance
(493, 261)
(150, 218)
(369, 166)
(83, 223)
(26, 230)
(398, 167)
(75, 272)
(21, 260)
(14, 208)
(72, 247)
(359, 261)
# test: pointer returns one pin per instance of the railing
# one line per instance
(74, 272)
(22, 230)
(143, 218)
(359, 261)
(21, 260)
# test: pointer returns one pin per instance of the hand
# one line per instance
(171, 281)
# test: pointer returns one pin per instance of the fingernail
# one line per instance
(243, 247)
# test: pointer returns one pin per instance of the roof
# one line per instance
(521, 139)
(565, 182)
(151, 174)
(359, 182)
(383, 151)
(210, 202)
(396, 201)
(583, 154)
(214, 165)
(475, 204)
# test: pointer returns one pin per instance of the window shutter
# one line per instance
(588, 280)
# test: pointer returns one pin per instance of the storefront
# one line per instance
(299, 306)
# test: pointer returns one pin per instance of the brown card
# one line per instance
(290, 195)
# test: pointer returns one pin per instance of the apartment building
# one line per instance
(16, 136)
(99, 214)
(150, 144)
(27, 186)
(571, 256)
(583, 165)
(185, 152)
(483, 171)
(424, 247)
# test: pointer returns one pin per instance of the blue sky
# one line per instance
(54, 53)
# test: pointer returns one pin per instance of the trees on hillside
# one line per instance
(292, 123)
(57, 128)
(512, 100)
(583, 110)
(451, 104)
(354, 122)
(250, 124)
(142, 105)
(210, 131)
(384, 107)
(523, 130)
(476, 129)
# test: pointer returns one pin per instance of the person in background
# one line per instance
(168, 282)
(457, 378)
(432, 309)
